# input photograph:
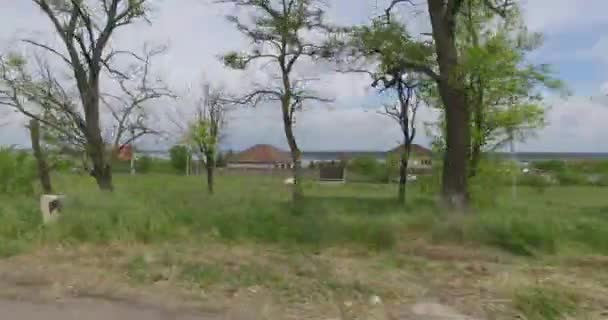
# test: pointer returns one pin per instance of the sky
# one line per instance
(196, 32)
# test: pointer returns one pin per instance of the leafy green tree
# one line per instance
(504, 91)
(279, 30)
(389, 48)
(440, 62)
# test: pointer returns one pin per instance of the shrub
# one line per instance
(144, 164)
(368, 169)
(368, 166)
(179, 157)
(492, 175)
(566, 178)
(552, 166)
(17, 172)
(537, 182)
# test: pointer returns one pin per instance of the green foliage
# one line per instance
(504, 90)
(551, 166)
(545, 303)
(203, 134)
(537, 182)
(366, 168)
(569, 178)
(492, 176)
(144, 164)
(516, 234)
(179, 157)
(157, 208)
(20, 218)
(391, 45)
(17, 172)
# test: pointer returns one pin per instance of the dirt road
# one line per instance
(90, 310)
(78, 309)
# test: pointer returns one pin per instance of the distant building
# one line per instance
(261, 156)
(420, 157)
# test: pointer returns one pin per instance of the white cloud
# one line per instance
(575, 125)
(555, 16)
(197, 33)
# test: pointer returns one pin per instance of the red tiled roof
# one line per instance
(417, 150)
(262, 153)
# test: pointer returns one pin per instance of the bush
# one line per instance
(566, 178)
(179, 158)
(537, 182)
(144, 164)
(552, 166)
(17, 172)
(368, 169)
(492, 175)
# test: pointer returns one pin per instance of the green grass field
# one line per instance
(344, 241)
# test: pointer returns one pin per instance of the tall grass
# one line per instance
(157, 208)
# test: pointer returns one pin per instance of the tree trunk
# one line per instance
(102, 170)
(475, 159)
(477, 140)
(454, 189)
(453, 95)
(43, 168)
(96, 148)
(210, 171)
(297, 192)
(402, 178)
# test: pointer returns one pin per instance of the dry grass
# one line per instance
(282, 284)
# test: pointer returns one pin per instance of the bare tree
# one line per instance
(40, 96)
(130, 117)
(404, 113)
(278, 29)
(85, 28)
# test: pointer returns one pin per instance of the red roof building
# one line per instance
(261, 156)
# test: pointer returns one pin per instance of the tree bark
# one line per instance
(210, 173)
(478, 119)
(453, 95)
(402, 177)
(43, 168)
(297, 192)
(96, 149)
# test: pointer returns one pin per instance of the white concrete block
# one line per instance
(50, 206)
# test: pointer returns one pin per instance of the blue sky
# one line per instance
(576, 34)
